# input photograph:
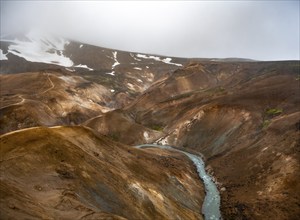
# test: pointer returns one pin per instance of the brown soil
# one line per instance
(72, 173)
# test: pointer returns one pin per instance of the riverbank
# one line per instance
(211, 204)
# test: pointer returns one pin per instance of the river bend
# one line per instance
(211, 204)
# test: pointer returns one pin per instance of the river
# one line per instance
(211, 204)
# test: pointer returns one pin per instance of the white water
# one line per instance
(211, 204)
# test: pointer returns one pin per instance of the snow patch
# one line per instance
(166, 60)
(148, 57)
(135, 57)
(81, 45)
(115, 58)
(111, 73)
(139, 80)
(137, 68)
(3, 56)
(116, 63)
(112, 90)
(84, 66)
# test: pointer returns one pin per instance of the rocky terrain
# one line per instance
(242, 116)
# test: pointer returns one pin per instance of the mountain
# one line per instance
(71, 74)
(71, 112)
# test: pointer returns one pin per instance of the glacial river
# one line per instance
(211, 204)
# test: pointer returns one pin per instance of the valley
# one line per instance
(70, 117)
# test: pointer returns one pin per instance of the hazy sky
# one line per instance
(263, 30)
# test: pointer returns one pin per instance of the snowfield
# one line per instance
(3, 56)
(84, 66)
(40, 48)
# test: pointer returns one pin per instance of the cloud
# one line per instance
(265, 30)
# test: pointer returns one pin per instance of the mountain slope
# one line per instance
(71, 173)
(50, 98)
(244, 118)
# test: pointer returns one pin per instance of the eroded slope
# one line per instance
(71, 173)
(49, 98)
(244, 118)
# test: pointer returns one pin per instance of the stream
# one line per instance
(211, 204)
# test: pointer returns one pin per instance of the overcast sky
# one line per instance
(263, 30)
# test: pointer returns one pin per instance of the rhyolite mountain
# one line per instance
(71, 112)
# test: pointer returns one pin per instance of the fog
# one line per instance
(262, 30)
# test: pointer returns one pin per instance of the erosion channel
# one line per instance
(211, 204)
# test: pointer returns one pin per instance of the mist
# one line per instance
(262, 30)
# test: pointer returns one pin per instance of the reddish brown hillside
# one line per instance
(244, 118)
(71, 173)
(49, 98)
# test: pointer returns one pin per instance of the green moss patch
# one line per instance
(273, 111)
